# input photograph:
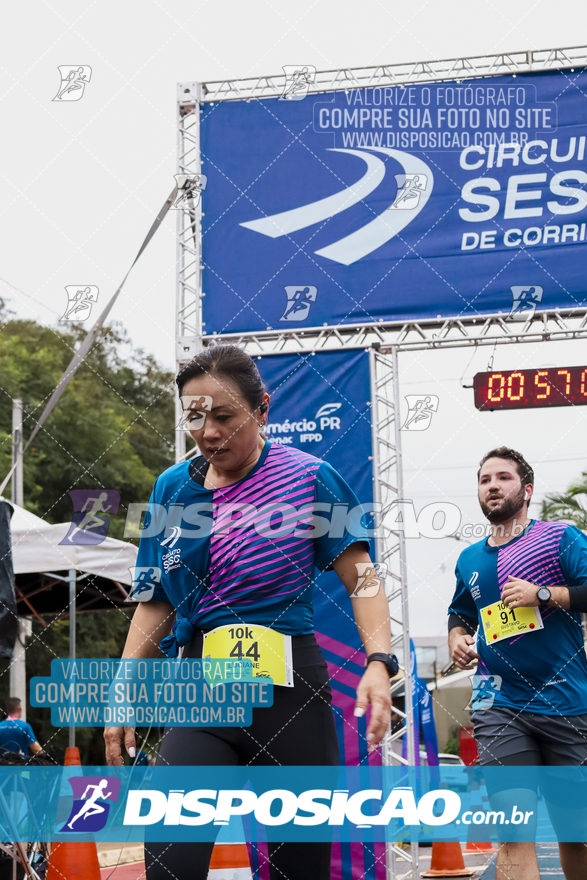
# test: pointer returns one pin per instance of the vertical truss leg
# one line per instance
(390, 548)
(188, 309)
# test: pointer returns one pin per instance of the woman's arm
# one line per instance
(372, 618)
(151, 622)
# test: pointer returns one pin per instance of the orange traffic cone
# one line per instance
(447, 861)
(230, 861)
(474, 845)
(477, 846)
(75, 860)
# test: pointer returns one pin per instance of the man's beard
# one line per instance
(511, 504)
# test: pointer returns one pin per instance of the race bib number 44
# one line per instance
(501, 622)
(269, 650)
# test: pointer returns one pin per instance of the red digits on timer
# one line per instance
(521, 389)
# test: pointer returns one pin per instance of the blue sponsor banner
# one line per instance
(450, 199)
(355, 804)
(428, 724)
(321, 404)
(415, 708)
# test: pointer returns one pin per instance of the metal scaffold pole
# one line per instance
(390, 549)
(72, 622)
(188, 330)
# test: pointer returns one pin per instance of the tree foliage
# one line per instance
(569, 506)
(113, 428)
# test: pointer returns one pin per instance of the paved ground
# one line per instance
(548, 862)
(134, 871)
(480, 860)
(547, 859)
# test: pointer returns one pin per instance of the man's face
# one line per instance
(501, 494)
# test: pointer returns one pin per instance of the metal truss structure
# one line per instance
(390, 549)
(188, 297)
(458, 332)
(408, 73)
(384, 339)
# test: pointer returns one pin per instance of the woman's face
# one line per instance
(230, 433)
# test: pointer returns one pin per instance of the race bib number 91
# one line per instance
(501, 622)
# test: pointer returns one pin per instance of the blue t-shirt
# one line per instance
(543, 671)
(246, 553)
(16, 735)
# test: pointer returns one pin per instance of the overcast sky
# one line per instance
(81, 182)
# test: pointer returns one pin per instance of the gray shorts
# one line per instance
(508, 736)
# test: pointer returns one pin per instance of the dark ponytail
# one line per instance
(228, 362)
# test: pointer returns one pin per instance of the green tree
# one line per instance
(570, 505)
(113, 428)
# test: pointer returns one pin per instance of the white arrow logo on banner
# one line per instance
(377, 232)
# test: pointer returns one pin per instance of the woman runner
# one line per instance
(251, 568)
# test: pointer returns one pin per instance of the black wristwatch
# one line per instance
(390, 661)
(544, 595)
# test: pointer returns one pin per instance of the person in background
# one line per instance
(15, 734)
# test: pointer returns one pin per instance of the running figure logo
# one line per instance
(195, 407)
(90, 808)
(297, 82)
(189, 190)
(80, 300)
(421, 408)
(144, 581)
(299, 301)
(409, 189)
(485, 689)
(524, 301)
(370, 578)
(74, 79)
(90, 525)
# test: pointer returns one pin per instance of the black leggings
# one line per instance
(298, 729)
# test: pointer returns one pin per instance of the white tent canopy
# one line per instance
(36, 547)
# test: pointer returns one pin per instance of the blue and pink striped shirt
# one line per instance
(246, 553)
(543, 671)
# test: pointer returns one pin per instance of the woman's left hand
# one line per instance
(373, 690)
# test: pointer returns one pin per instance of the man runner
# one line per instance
(536, 656)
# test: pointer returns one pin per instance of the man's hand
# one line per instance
(461, 652)
(520, 594)
(112, 736)
(374, 690)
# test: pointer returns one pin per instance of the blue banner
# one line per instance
(351, 804)
(428, 724)
(321, 404)
(450, 199)
(415, 708)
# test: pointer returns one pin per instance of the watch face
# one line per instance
(544, 594)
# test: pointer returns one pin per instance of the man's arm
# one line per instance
(569, 598)
(459, 646)
(35, 747)
(572, 554)
(462, 625)
(518, 593)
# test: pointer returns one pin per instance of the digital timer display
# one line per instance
(521, 389)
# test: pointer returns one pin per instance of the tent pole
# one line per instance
(16, 485)
(72, 585)
(18, 664)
